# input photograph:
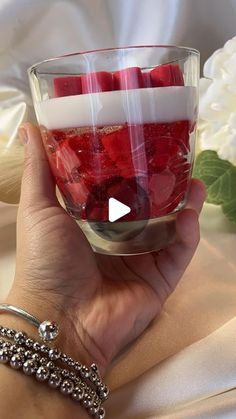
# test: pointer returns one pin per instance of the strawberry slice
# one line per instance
(101, 81)
(117, 144)
(63, 162)
(161, 187)
(67, 86)
(167, 75)
(167, 152)
(176, 132)
(131, 161)
(128, 78)
(66, 160)
(181, 172)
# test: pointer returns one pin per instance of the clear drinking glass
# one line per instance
(119, 128)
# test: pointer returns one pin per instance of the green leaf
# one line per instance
(229, 209)
(219, 177)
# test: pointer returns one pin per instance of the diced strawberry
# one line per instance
(161, 187)
(63, 161)
(167, 75)
(101, 81)
(117, 144)
(166, 152)
(182, 176)
(128, 78)
(127, 142)
(126, 148)
(166, 141)
(67, 86)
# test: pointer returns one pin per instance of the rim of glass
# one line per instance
(48, 60)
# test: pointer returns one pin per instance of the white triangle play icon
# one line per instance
(117, 210)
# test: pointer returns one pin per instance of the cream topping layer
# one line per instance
(136, 106)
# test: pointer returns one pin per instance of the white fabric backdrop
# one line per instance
(31, 30)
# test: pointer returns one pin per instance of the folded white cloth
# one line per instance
(185, 384)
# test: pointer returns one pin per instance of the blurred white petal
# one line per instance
(217, 110)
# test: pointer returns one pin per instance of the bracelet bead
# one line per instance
(6, 345)
(28, 354)
(100, 414)
(78, 393)
(29, 367)
(16, 361)
(45, 349)
(3, 331)
(4, 356)
(54, 354)
(67, 386)
(20, 337)
(42, 373)
(11, 333)
(54, 380)
(29, 343)
(36, 346)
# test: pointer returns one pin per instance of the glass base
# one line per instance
(130, 238)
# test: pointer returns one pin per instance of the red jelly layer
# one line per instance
(106, 162)
(128, 78)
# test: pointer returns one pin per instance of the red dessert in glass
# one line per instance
(153, 154)
(127, 135)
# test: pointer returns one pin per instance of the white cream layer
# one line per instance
(155, 104)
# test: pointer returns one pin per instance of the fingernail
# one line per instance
(23, 136)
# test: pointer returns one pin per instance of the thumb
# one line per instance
(37, 187)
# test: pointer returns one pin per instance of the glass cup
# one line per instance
(118, 126)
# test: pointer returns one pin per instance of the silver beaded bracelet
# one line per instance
(83, 384)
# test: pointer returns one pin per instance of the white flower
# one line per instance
(217, 111)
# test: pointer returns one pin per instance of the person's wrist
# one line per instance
(71, 340)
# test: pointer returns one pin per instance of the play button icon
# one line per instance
(117, 210)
